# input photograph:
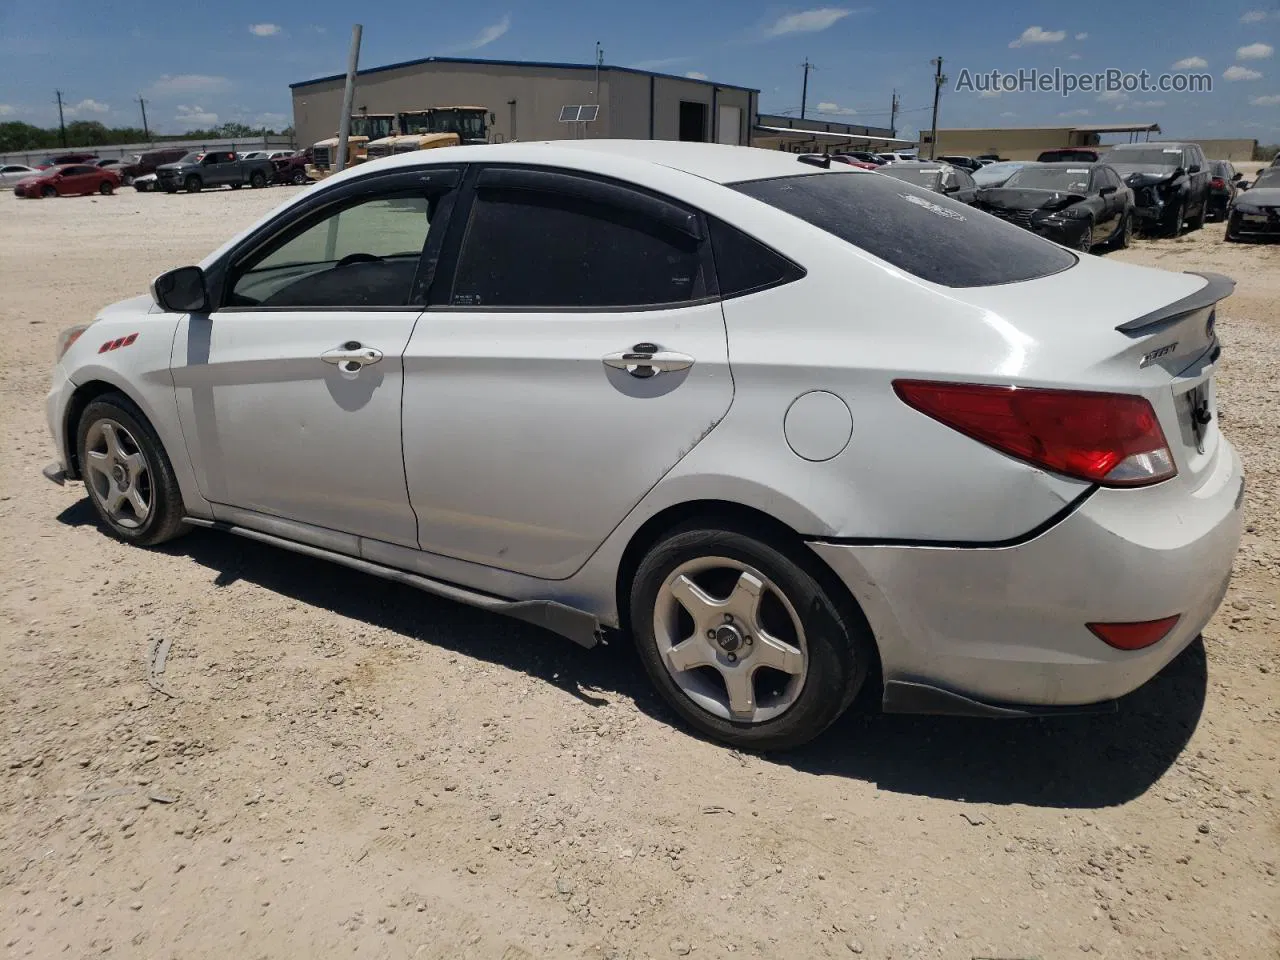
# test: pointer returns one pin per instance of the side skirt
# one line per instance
(577, 625)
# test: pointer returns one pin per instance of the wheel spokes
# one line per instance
(778, 654)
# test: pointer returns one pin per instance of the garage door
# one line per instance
(729, 129)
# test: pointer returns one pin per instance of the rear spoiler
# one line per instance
(1218, 288)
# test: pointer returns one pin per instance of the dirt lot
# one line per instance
(341, 766)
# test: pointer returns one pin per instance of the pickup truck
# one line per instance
(215, 168)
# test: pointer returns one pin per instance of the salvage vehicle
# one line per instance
(72, 180)
(11, 173)
(1170, 183)
(1255, 213)
(964, 163)
(1223, 186)
(147, 183)
(147, 162)
(292, 168)
(217, 168)
(408, 143)
(637, 399)
(364, 127)
(1076, 205)
(63, 159)
(995, 174)
(934, 175)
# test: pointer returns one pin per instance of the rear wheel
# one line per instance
(105, 188)
(193, 184)
(742, 639)
(257, 180)
(298, 178)
(127, 473)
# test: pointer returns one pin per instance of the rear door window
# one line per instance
(926, 234)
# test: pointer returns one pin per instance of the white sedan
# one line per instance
(794, 428)
(11, 173)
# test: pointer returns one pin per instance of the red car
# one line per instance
(68, 181)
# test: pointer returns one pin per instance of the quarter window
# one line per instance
(545, 249)
(744, 264)
(364, 255)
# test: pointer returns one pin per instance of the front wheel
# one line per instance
(236, 186)
(127, 473)
(743, 640)
(1121, 239)
(193, 184)
(1197, 222)
(47, 192)
(1174, 225)
(257, 180)
(1086, 238)
(127, 181)
(105, 189)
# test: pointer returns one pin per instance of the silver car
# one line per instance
(794, 429)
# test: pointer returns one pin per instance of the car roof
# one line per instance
(1152, 143)
(719, 163)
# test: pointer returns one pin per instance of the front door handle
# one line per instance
(351, 357)
(646, 360)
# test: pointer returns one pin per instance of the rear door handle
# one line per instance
(351, 356)
(648, 360)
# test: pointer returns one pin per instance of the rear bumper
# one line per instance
(1006, 626)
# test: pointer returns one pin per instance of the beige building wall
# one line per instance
(524, 99)
(1233, 150)
(1010, 144)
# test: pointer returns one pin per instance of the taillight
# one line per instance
(1133, 636)
(1113, 439)
(1217, 183)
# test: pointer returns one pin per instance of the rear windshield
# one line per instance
(926, 234)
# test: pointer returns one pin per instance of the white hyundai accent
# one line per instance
(796, 429)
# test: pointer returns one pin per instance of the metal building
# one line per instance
(527, 100)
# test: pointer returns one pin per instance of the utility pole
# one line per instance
(146, 132)
(893, 115)
(804, 90)
(348, 98)
(599, 63)
(62, 127)
(938, 80)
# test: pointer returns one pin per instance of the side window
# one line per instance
(571, 248)
(744, 264)
(963, 180)
(364, 255)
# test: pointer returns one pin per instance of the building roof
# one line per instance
(1083, 128)
(518, 63)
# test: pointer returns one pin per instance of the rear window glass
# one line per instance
(926, 234)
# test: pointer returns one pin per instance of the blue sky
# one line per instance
(232, 60)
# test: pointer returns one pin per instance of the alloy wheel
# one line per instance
(118, 472)
(730, 639)
(1086, 239)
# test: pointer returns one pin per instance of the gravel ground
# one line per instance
(334, 765)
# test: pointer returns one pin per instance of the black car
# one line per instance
(964, 163)
(1170, 183)
(1075, 204)
(1256, 211)
(1222, 187)
(936, 176)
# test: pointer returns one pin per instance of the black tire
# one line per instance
(840, 646)
(47, 192)
(1086, 239)
(298, 178)
(1173, 225)
(105, 188)
(257, 180)
(170, 189)
(236, 186)
(165, 519)
(1197, 223)
(1122, 236)
(127, 180)
(1231, 236)
(193, 184)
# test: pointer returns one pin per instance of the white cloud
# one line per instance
(807, 21)
(1240, 73)
(490, 33)
(1270, 100)
(835, 110)
(1146, 104)
(195, 116)
(187, 83)
(6, 110)
(1257, 16)
(1255, 51)
(1075, 113)
(1074, 56)
(989, 94)
(86, 106)
(274, 121)
(1008, 113)
(1082, 36)
(695, 75)
(1033, 35)
(264, 29)
(1112, 96)
(1191, 63)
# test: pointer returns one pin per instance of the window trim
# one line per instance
(626, 194)
(428, 178)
